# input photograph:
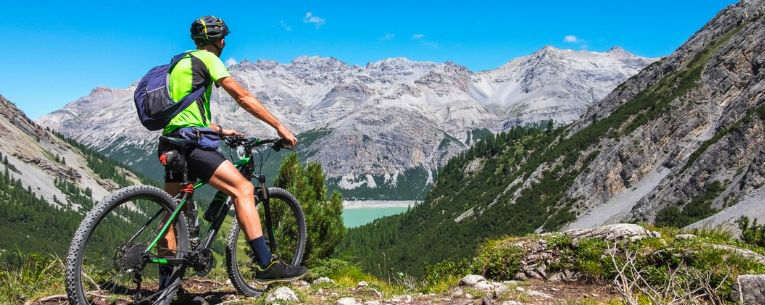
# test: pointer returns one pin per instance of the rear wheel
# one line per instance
(289, 235)
(107, 262)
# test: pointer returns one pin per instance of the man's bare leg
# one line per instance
(167, 245)
(228, 179)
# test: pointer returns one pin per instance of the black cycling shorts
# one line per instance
(201, 163)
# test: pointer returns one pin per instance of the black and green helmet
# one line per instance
(208, 29)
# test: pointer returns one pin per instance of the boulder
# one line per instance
(613, 232)
(471, 280)
(749, 289)
(323, 280)
(484, 285)
(283, 294)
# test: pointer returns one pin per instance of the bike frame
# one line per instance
(246, 166)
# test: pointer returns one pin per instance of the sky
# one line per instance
(56, 52)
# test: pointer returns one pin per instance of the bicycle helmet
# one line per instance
(208, 29)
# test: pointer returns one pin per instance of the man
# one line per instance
(203, 67)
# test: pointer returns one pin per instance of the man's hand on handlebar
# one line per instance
(287, 136)
(230, 133)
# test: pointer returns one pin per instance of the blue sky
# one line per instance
(55, 52)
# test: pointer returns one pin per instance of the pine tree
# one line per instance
(323, 215)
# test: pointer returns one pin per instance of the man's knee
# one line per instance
(245, 190)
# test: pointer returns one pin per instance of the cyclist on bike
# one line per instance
(203, 67)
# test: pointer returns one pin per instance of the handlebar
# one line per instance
(251, 143)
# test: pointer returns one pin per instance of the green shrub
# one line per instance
(330, 267)
(498, 259)
(323, 212)
(440, 275)
(751, 233)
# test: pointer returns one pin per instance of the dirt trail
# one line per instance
(533, 292)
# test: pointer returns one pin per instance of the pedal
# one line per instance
(194, 241)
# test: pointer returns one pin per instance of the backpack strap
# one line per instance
(195, 95)
(174, 61)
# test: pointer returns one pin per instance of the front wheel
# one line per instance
(108, 257)
(289, 239)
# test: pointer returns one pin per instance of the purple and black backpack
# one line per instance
(152, 97)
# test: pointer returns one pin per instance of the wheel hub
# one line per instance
(129, 257)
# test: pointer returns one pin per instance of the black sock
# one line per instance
(262, 252)
(164, 276)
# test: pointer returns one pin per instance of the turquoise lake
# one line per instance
(355, 217)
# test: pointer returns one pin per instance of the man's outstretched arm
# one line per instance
(253, 106)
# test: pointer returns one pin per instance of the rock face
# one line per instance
(698, 140)
(749, 289)
(675, 144)
(538, 255)
(369, 126)
(614, 232)
(40, 158)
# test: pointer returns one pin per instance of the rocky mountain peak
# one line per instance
(260, 64)
(433, 103)
(18, 118)
(321, 63)
(617, 50)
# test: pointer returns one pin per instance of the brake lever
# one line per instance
(281, 144)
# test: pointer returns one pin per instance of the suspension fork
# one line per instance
(267, 211)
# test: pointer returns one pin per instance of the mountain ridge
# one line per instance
(674, 145)
(385, 118)
(48, 184)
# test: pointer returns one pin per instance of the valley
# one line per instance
(560, 177)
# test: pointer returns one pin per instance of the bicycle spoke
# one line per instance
(159, 212)
(284, 228)
(114, 260)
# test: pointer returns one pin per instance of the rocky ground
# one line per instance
(472, 289)
(613, 264)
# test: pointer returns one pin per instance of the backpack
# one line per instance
(152, 97)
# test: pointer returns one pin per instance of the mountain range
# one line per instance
(382, 130)
(680, 144)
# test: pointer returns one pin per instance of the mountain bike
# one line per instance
(120, 246)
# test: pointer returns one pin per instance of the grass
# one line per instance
(348, 275)
(499, 259)
(30, 276)
(657, 257)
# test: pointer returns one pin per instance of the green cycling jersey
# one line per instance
(198, 68)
